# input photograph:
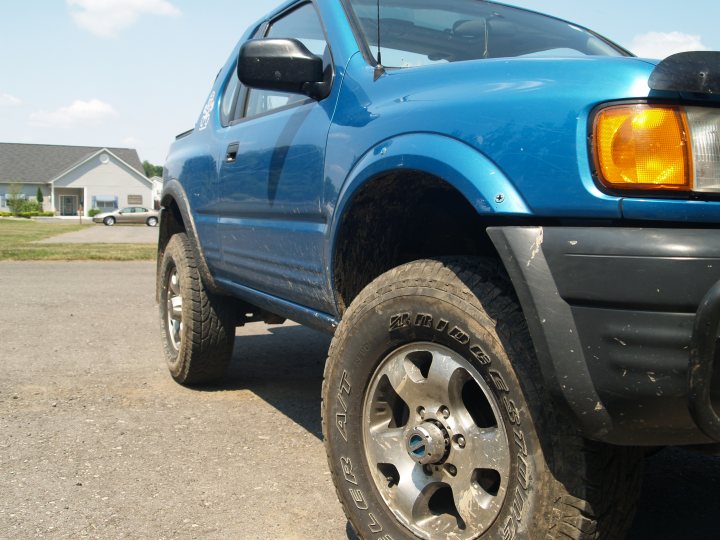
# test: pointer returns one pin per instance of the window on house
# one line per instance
(106, 203)
(134, 199)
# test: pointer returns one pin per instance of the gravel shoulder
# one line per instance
(97, 441)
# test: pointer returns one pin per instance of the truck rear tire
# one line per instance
(437, 425)
(197, 326)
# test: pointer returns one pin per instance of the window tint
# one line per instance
(302, 24)
(420, 32)
(229, 98)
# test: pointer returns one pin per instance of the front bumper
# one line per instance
(618, 316)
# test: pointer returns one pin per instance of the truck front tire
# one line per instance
(437, 425)
(198, 329)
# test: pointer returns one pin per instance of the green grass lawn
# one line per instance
(17, 237)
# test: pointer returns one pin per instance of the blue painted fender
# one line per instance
(480, 181)
(477, 178)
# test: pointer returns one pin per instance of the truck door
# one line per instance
(271, 224)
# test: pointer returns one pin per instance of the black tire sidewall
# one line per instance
(374, 331)
(173, 258)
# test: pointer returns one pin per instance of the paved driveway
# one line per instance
(97, 441)
(100, 234)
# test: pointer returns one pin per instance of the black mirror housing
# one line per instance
(285, 65)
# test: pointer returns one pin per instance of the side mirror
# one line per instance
(285, 65)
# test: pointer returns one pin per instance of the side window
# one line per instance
(301, 24)
(229, 99)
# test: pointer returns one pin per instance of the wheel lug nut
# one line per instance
(421, 412)
(452, 471)
(427, 470)
(460, 441)
(445, 412)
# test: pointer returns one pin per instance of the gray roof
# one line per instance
(40, 163)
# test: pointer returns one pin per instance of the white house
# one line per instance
(157, 188)
(74, 178)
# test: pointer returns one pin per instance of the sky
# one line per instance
(134, 73)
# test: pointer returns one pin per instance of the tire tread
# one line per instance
(209, 332)
(599, 505)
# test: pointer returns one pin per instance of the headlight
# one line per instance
(705, 137)
(658, 147)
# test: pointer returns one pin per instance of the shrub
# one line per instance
(22, 206)
(94, 212)
(27, 214)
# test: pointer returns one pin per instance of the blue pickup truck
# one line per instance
(508, 222)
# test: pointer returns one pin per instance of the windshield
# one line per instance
(421, 32)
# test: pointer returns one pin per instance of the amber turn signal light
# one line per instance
(643, 147)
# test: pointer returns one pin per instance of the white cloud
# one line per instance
(6, 100)
(78, 113)
(106, 18)
(662, 44)
(130, 142)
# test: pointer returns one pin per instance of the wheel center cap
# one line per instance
(427, 443)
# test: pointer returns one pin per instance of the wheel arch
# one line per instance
(175, 216)
(454, 184)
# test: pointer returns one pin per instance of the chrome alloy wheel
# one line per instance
(435, 442)
(174, 309)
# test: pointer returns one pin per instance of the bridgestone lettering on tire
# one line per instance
(437, 425)
(197, 326)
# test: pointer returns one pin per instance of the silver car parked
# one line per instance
(130, 214)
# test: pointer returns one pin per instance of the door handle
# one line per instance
(232, 152)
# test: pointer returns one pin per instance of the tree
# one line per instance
(13, 199)
(39, 197)
(152, 170)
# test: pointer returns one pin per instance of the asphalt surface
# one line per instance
(97, 441)
(101, 234)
